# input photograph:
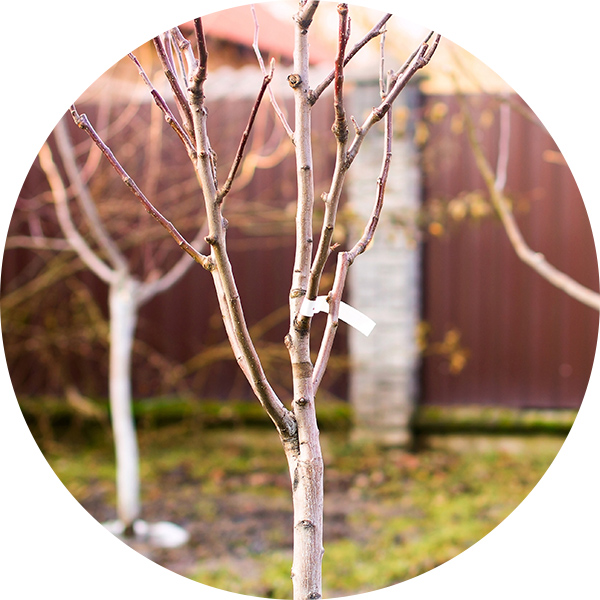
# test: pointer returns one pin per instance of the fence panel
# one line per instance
(528, 344)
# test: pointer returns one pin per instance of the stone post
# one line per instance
(384, 282)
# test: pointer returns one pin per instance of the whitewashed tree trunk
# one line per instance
(123, 308)
(126, 295)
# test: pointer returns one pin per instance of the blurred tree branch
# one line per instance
(495, 183)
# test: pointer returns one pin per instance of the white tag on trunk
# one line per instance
(347, 314)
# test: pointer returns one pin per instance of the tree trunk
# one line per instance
(123, 317)
(304, 451)
(306, 472)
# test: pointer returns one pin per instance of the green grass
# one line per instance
(389, 515)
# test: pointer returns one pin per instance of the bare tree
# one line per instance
(187, 74)
(127, 294)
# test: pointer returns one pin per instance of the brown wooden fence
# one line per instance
(527, 343)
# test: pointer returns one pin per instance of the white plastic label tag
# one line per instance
(347, 314)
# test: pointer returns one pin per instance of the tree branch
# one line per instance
(178, 93)
(58, 268)
(369, 230)
(261, 63)
(398, 81)
(306, 14)
(377, 30)
(84, 197)
(37, 242)
(73, 237)
(299, 82)
(227, 293)
(345, 259)
(240, 151)
(202, 51)
(149, 289)
(344, 158)
(533, 259)
(83, 123)
(169, 116)
(340, 130)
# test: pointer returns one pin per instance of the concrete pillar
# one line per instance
(384, 282)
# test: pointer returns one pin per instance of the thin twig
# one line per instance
(261, 63)
(149, 289)
(340, 127)
(198, 69)
(369, 230)
(178, 93)
(240, 151)
(202, 51)
(58, 268)
(169, 116)
(414, 54)
(377, 30)
(37, 242)
(186, 52)
(382, 83)
(503, 148)
(94, 156)
(83, 123)
(178, 48)
(399, 80)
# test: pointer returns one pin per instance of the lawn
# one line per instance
(389, 515)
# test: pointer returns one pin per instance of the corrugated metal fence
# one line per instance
(527, 344)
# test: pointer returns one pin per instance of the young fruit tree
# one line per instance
(128, 292)
(187, 73)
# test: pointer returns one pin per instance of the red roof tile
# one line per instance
(276, 36)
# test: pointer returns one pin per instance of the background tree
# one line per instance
(495, 182)
(117, 268)
(469, 261)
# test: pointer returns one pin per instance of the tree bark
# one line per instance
(306, 472)
(304, 455)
